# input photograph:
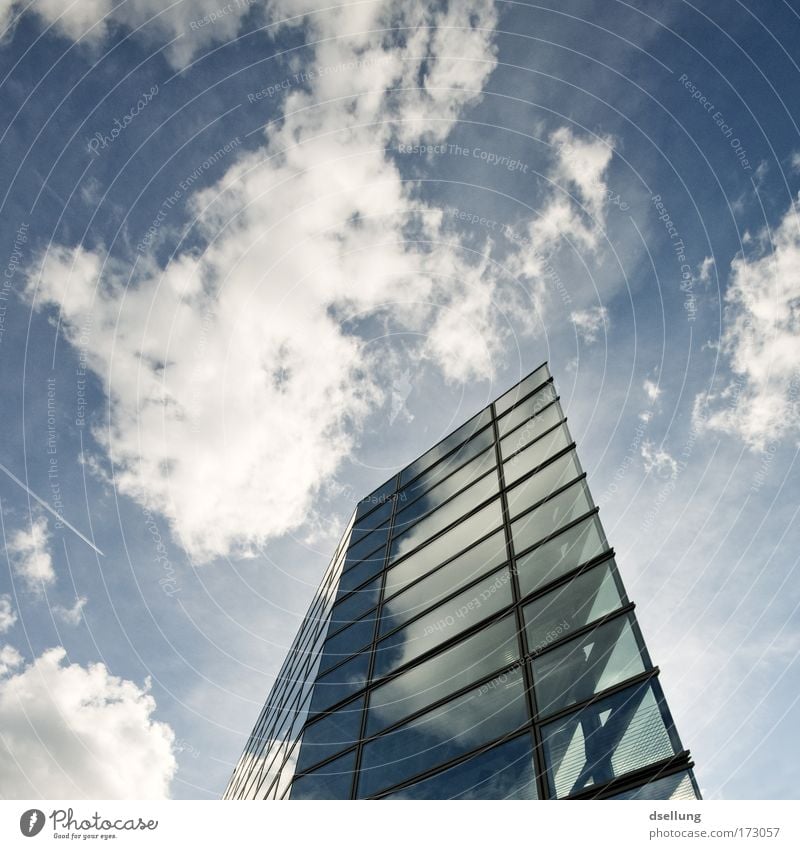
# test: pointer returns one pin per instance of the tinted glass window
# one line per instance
(444, 622)
(571, 606)
(678, 786)
(361, 572)
(541, 485)
(435, 497)
(450, 512)
(332, 781)
(578, 669)
(331, 734)
(468, 451)
(355, 605)
(567, 551)
(452, 729)
(523, 388)
(441, 549)
(375, 519)
(446, 445)
(366, 546)
(536, 453)
(552, 515)
(340, 683)
(504, 772)
(527, 410)
(429, 591)
(606, 739)
(380, 496)
(348, 641)
(533, 429)
(459, 666)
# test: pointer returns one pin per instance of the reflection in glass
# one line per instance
(578, 669)
(543, 484)
(536, 454)
(571, 606)
(447, 444)
(675, 787)
(523, 388)
(503, 772)
(435, 497)
(348, 641)
(528, 411)
(342, 682)
(330, 735)
(468, 451)
(452, 729)
(467, 567)
(444, 622)
(366, 546)
(459, 666)
(533, 429)
(606, 739)
(375, 519)
(332, 781)
(361, 572)
(550, 516)
(555, 558)
(355, 605)
(450, 512)
(380, 496)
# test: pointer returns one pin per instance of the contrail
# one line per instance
(50, 509)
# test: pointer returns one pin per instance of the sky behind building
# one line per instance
(258, 257)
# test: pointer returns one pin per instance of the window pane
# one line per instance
(380, 496)
(331, 734)
(552, 515)
(356, 605)
(546, 481)
(337, 685)
(504, 772)
(469, 450)
(448, 444)
(527, 410)
(356, 576)
(348, 641)
(366, 546)
(571, 606)
(444, 516)
(577, 670)
(441, 549)
(606, 739)
(504, 402)
(452, 729)
(444, 622)
(474, 658)
(429, 591)
(465, 476)
(332, 781)
(678, 786)
(532, 430)
(567, 551)
(536, 454)
(375, 519)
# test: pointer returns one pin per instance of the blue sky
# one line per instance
(257, 257)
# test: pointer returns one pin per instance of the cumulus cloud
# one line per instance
(590, 323)
(73, 731)
(705, 269)
(30, 556)
(761, 338)
(658, 460)
(652, 390)
(8, 616)
(237, 383)
(71, 615)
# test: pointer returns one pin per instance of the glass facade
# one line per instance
(472, 639)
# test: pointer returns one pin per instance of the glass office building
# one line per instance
(472, 638)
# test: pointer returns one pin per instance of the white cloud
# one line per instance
(652, 390)
(30, 556)
(10, 659)
(658, 461)
(704, 272)
(796, 161)
(8, 616)
(71, 615)
(589, 323)
(761, 340)
(70, 731)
